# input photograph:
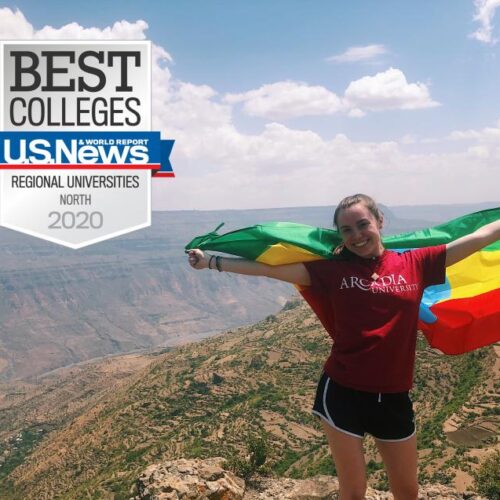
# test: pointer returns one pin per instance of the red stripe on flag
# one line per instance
(465, 324)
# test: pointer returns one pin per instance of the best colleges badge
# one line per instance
(77, 153)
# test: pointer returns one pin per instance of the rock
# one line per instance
(372, 494)
(317, 488)
(468, 495)
(189, 480)
(440, 492)
(326, 488)
(208, 480)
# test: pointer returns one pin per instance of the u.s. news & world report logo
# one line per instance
(77, 153)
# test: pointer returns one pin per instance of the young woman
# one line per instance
(375, 294)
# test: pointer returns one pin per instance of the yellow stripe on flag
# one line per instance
(474, 275)
(286, 253)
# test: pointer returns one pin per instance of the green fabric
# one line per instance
(447, 232)
(251, 242)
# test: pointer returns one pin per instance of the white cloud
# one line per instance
(285, 167)
(121, 30)
(282, 100)
(479, 151)
(383, 91)
(408, 139)
(356, 113)
(486, 135)
(13, 25)
(356, 54)
(485, 12)
(388, 90)
(463, 135)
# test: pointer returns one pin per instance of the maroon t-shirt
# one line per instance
(375, 304)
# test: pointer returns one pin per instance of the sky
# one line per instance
(296, 103)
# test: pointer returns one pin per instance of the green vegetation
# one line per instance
(312, 346)
(442, 477)
(315, 464)
(487, 478)
(257, 450)
(468, 370)
(16, 449)
(373, 466)
(246, 397)
(289, 457)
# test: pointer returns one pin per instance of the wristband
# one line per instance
(210, 262)
(217, 263)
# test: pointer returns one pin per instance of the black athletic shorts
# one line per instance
(386, 416)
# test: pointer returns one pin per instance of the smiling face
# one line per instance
(360, 231)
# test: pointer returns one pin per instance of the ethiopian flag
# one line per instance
(456, 317)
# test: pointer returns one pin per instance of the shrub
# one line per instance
(487, 478)
(257, 451)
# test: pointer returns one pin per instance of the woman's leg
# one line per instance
(400, 460)
(348, 456)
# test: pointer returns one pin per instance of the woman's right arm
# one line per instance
(291, 273)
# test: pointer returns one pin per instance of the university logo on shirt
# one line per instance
(390, 283)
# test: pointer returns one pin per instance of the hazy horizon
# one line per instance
(492, 203)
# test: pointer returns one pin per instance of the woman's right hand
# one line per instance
(197, 259)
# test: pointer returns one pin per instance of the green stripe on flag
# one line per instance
(251, 242)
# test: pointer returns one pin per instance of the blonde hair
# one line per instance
(349, 201)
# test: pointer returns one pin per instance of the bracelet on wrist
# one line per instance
(210, 261)
(218, 260)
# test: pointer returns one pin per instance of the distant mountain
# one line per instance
(213, 398)
(439, 213)
(60, 306)
(399, 218)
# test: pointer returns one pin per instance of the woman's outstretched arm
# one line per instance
(467, 245)
(291, 273)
